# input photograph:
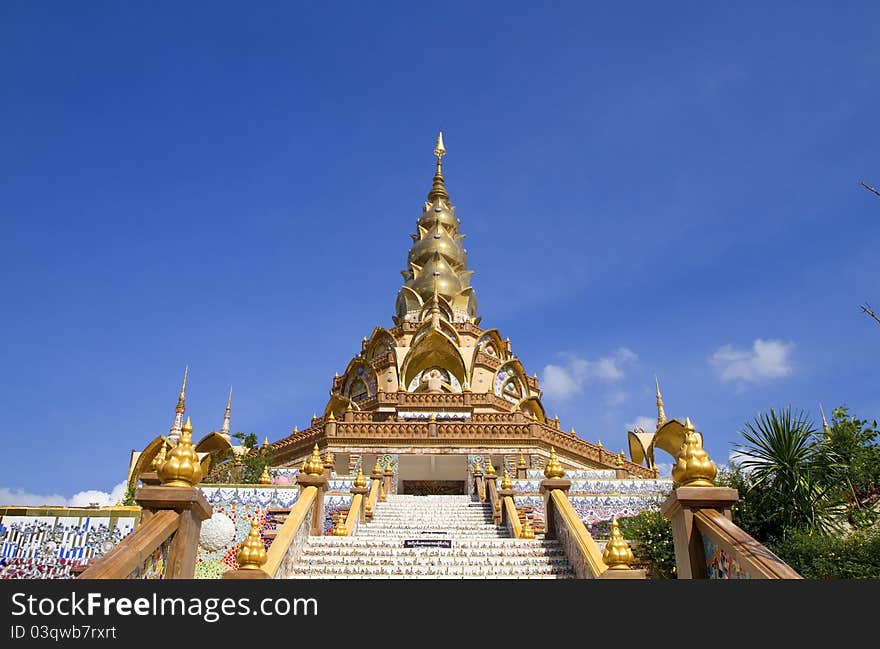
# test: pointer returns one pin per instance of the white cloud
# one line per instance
(648, 424)
(563, 381)
(79, 499)
(616, 398)
(767, 359)
(664, 469)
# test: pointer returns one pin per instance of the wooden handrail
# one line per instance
(512, 517)
(586, 546)
(131, 553)
(300, 514)
(374, 496)
(759, 561)
(354, 514)
(492, 489)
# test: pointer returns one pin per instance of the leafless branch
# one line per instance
(867, 309)
(869, 188)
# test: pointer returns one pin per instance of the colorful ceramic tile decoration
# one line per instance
(154, 566)
(46, 543)
(720, 564)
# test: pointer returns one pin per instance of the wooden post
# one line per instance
(492, 491)
(547, 486)
(193, 509)
(679, 509)
(388, 477)
(321, 482)
(363, 491)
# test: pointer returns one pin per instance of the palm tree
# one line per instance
(779, 452)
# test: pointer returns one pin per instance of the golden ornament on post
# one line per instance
(314, 465)
(265, 478)
(554, 467)
(360, 479)
(490, 469)
(506, 482)
(477, 467)
(252, 553)
(159, 459)
(527, 531)
(693, 466)
(182, 468)
(339, 529)
(388, 468)
(522, 462)
(266, 442)
(619, 460)
(377, 467)
(617, 554)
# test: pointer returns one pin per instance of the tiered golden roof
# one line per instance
(437, 263)
(182, 468)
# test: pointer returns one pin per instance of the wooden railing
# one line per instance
(510, 517)
(290, 538)
(709, 545)
(164, 544)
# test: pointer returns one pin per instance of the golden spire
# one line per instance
(331, 416)
(522, 462)
(527, 531)
(181, 398)
(826, 429)
(599, 444)
(506, 481)
(339, 529)
(174, 432)
(252, 553)
(314, 465)
(265, 478)
(490, 469)
(182, 468)
(619, 460)
(348, 407)
(693, 466)
(617, 554)
(265, 442)
(572, 433)
(661, 413)
(159, 458)
(438, 189)
(224, 429)
(360, 480)
(554, 468)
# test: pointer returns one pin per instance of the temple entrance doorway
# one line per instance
(427, 475)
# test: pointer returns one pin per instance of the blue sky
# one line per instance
(645, 188)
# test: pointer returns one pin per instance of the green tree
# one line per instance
(779, 453)
(651, 537)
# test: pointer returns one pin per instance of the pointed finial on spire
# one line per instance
(174, 432)
(661, 413)
(224, 429)
(438, 189)
(825, 427)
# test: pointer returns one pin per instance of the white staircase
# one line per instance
(478, 548)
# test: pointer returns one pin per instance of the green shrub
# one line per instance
(651, 538)
(821, 556)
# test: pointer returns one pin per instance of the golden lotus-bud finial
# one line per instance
(572, 433)
(389, 469)
(331, 416)
(329, 458)
(252, 553)
(527, 531)
(617, 554)
(339, 529)
(314, 465)
(490, 469)
(159, 458)
(522, 462)
(360, 479)
(265, 478)
(377, 467)
(554, 467)
(506, 482)
(693, 466)
(265, 442)
(477, 467)
(619, 460)
(348, 407)
(599, 444)
(182, 468)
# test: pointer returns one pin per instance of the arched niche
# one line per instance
(532, 406)
(381, 342)
(491, 344)
(433, 349)
(359, 381)
(510, 382)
